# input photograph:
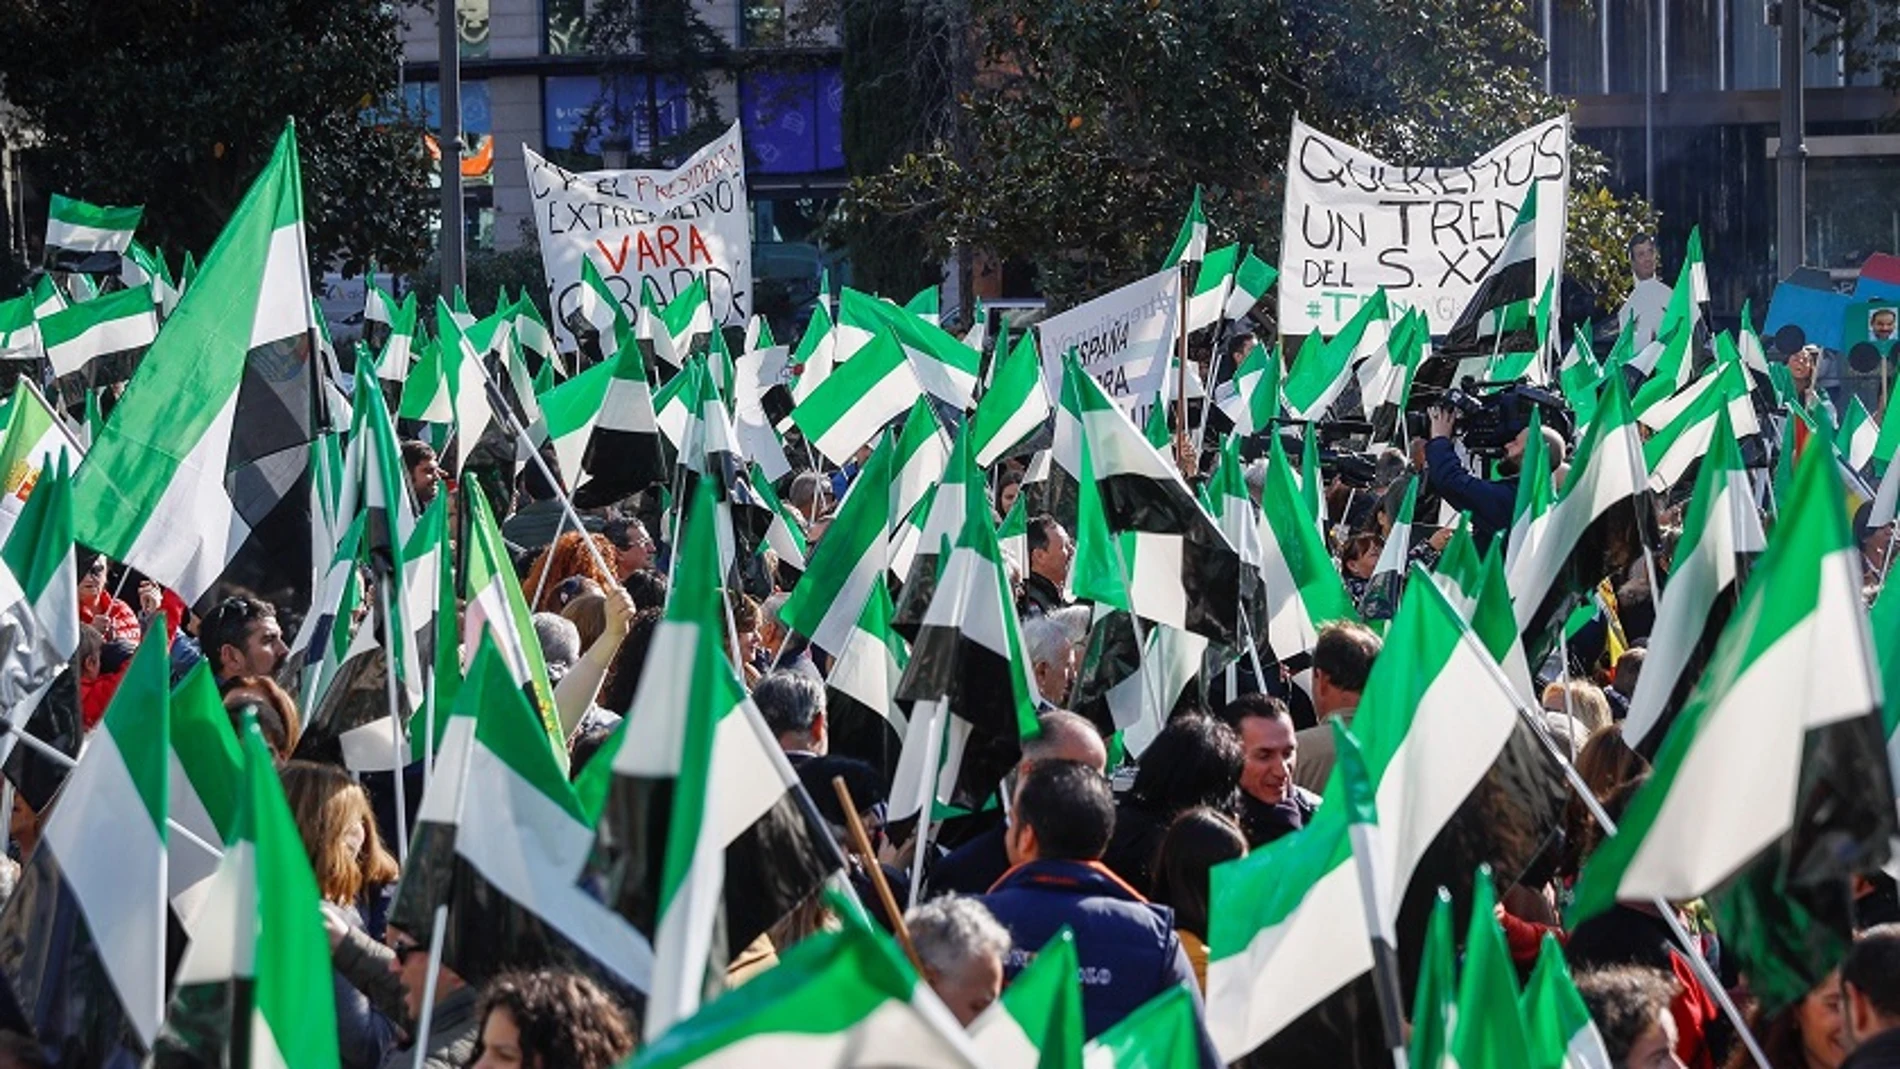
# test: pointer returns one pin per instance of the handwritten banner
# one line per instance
(1354, 223)
(663, 226)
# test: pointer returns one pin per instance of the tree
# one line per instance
(672, 52)
(175, 104)
(1091, 121)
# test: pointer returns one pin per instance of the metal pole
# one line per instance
(449, 139)
(426, 1017)
(1791, 158)
(395, 714)
(1649, 102)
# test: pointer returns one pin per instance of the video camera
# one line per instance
(1488, 422)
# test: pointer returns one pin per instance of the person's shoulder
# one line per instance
(1306, 800)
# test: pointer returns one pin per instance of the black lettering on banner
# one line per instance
(1455, 264)
(1395, 260)
(1330, 170)
(1478, 219)
(1448, 216)
(1405, 217)
(1520, 165)
(1551, 157)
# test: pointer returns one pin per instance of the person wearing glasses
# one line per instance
(240, 637)
(393, 975)
(98, 609)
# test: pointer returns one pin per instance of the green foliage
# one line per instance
(175, 104)
(517, 269)
(1093, 120)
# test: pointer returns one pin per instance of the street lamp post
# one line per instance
(449, 138)
(1791, 159)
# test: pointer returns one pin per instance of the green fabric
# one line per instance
(139, 721)
(1487, 1033)
(1436, 997)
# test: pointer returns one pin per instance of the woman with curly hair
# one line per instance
(566, 558)
(352, 868)
(549, 1019)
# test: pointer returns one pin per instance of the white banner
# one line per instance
(667, 226)
(1122, 338)
(1354, 223)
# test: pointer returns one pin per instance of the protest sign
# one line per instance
(1354, 223)
(663, 226)
(1122, 338)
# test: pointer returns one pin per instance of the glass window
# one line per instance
(478, 155)
(793, 120)
(471, 26)
(761, 22)
(563, 22)
(1576, 50)
(625, 107)
(1692, 54)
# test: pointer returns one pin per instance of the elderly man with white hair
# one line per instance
(1053, 644)
(962, 947)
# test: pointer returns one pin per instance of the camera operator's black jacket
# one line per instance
(1490, 503)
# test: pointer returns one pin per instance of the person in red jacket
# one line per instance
(98, 609)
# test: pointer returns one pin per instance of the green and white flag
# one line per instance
(1303, 589)
(401, 348)
(678, 327)
(816, 351)
(1252, 399)
(1860, 432)
(1162, 1033)
(1381, 599)
(922, 453)
(207, 778)
(1190, 245)
(88, 917)
(254, 988)
(495, 605)
(863, 679)
(926, 305)
(1690, 427)
(1037, 1023)
(378, 305)
(19, 329)
(500, 839)
(737, 815)
(827, 602)
(942, 364)
(87, 238)
(1486, 1030)
(605, 432)
(857, 398)
(1792, 667)
(598, 315)
(100, 342)
(1208, 300)
(190, 466)
(842, 999)
(1014, 406)
(1557, 1025)
(1435, 1002)
(39, 616)
(35, 438)
(1252, 279)
(1720, 531)
(1322, 368)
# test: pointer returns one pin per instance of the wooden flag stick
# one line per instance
(861, 845)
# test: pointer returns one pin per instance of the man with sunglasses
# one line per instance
(240, 637)
(394, 977)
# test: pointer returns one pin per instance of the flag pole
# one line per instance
(1180, 386)
(423, 1019)
(1207, 388)
(1385, 958)
(395, 724)
(1693, 956)
(541, 583)
(861, 844)
(44, 749)
(560, 489)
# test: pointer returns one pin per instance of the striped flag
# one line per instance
(606, 436)
(743, 845)
(1208, 300)
(207, 772)
(84, 238)
(1252, 399)
(828, 601)
(35, 438)
(1593, 528)
(1190, 245)
(1162, 1033)
(1434, 1002)
(1252, 279)
(100, 342)
(676, 328)
(254, 988)
(842, 999)
(500, 839)
(496, 606)
(196, 476)
(399, 352)
(599, 322)
(19, 329)
(1557, 1025)
(1381, 599)
(1788, 706)
(944, 366)
(1498, 317)
(1037, 1023)
(1303, 589)
(1487, 1031)
(1686, 423)
(1015, 405)
(920, 460)
(1860, 432)
(861, 708)
(1721, 530)
(813, 358)
(857, 398)
(86, 925)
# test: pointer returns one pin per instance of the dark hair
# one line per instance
(1641, 239)
(277, 718)
(1196, 841)
(115, 654)
(1038, 530)
(1873, 967)
(790, 702)
(647, 588)
(1195, 761)
(1069, 807)
(619, 530)
(564, 1019)
(585, 744)
(1345, 652)
(623, 675)
(1625, 1001)
(1357, 545)
(415, 452)
(1264, 706)
(861, 778)
(1629, 668)
(229, 623)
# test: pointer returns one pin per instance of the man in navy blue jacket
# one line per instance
(1490, 503)
(1060, 824)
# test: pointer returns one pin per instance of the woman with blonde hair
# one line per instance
(566, 558)
(352, 868)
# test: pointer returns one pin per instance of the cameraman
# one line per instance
(1490, 503)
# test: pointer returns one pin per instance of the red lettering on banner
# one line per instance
(618, 263)
(696, 246)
